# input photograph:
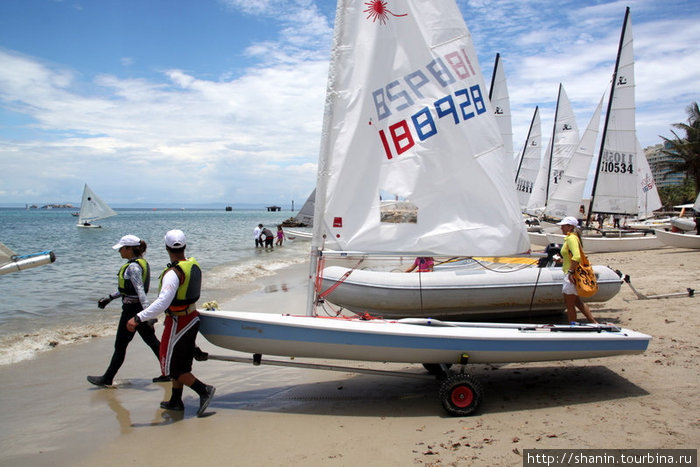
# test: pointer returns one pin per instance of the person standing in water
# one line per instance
(180, 285)
(133, 280)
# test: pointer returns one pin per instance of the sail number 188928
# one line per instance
(465, 104)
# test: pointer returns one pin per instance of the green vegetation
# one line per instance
(687, 150)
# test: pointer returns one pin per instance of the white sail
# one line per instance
(408, 117)
(306, 213)
(696, 206)
(568, 194)
(92, 208)
(530, 161)
(648, 199)
(498, 95)
(615, 186)
(561, 147)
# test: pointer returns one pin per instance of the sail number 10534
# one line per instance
(617, 162)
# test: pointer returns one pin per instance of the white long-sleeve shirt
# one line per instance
(171, 282)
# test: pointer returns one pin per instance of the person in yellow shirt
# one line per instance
(571, 255)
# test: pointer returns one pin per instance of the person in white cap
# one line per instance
(180, 285)
(133, 280)
(571, 255)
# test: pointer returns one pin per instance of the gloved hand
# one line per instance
(101, 303)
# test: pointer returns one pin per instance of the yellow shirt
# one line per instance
(570, 250)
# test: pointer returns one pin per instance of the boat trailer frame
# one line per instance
(625, 277)
(460, 393)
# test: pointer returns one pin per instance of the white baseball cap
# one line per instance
(175, 238)
(127, 240)
(568, 220)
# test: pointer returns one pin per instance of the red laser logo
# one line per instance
(377, 10)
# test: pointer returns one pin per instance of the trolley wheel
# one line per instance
(436, 369)
(461, 394)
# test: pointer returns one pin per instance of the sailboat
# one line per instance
(530, 161)
(500, 99)
(92, 208)
(12, 262)
(407, 113)
(304, 218)
(562, 144)
(622, 170)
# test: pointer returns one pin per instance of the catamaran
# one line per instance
(407, 114)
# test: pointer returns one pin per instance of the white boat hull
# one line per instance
(679, 240)
(297, 234)
(612, 244)
(683, 223)
(399, 341)
(466, 293)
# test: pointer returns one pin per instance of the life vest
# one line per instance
(190, 276)
(125, 286)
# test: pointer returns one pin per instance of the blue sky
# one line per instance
(221, 101)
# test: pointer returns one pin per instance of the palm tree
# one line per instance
(686, 151)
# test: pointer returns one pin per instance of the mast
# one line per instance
(321, 179)
(551, 148)
(493, 75)
(607, 116)
(527, 140)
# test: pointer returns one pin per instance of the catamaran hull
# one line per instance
(613, 244)
(466, 294)
(393, 341)
(679, 240)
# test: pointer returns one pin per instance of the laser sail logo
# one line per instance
(377, 10)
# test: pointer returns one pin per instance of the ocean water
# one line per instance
(56, 304)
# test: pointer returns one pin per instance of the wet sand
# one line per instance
(294, 417)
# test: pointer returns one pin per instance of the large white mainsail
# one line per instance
(561, 147)
(616, 182)
(407, 114)
(530, 161)
(498, 95)
(568, 195)
(92, 208)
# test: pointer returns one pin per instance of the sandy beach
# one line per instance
(294, 417)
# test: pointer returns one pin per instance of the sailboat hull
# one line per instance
(679, 240)
(467, 294)
(401, 342)
(613, 244)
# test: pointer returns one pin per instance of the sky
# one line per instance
(220, 102)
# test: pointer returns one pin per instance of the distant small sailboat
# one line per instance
(92, 208)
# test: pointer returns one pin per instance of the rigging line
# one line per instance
(532, 297)
(420, 289)
(483, 265)
(338, 282)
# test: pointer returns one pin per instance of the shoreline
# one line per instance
(294, 417)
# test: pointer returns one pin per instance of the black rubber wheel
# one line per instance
(461, 395)
(436, 369)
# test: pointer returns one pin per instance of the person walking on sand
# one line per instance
(180, 285)
(133, 280)
(570, 256)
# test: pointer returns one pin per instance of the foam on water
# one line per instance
(56, 305)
